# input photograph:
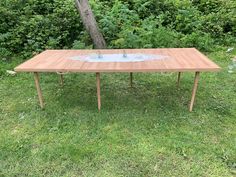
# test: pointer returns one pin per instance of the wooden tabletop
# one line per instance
(174, 59)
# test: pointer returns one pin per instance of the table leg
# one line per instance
(131, 79)
(197, 74)
(36, 79)
(61, 79)
(178, 79)
(98, 91)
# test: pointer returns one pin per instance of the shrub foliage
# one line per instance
(31, 26)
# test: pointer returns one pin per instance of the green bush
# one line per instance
(32, 26)
(37, 25)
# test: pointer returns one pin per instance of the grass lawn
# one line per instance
(142, 131)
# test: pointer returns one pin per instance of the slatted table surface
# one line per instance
(180, 60)
(119, 60)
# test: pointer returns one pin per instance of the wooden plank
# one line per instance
(179, 60)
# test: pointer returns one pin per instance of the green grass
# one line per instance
(142, 131)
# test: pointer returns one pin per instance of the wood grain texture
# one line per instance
(98, 90)
(61, 79)
(36, 79)
(179, 60)
(196, 79)
(178, 79)
(131, 79)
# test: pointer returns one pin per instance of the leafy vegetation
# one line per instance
(32, 26)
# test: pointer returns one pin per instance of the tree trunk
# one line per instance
(90, 23)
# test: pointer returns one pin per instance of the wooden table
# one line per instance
(167, 60)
